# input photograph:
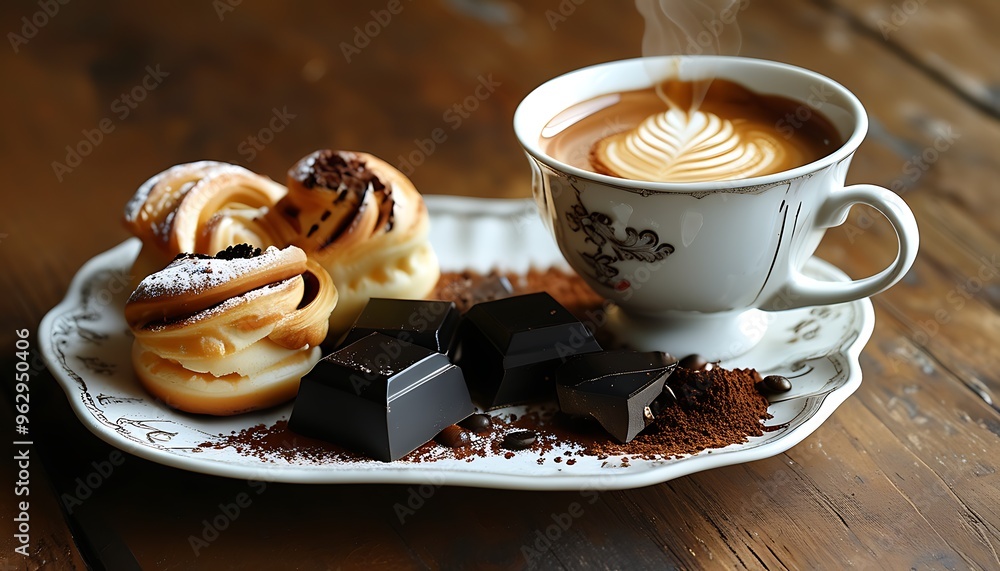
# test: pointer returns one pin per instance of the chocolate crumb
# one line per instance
(238, 252)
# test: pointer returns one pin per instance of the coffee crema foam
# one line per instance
(690, 146)
(665, 134)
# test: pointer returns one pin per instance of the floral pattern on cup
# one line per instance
(639, 245)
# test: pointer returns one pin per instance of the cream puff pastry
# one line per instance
(200, 207)
(364, 222)
(231, 333)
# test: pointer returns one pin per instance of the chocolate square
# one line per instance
(509, 348)
(430, 324)
(614, 387)
(381, 396)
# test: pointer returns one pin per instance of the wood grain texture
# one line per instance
(904, 475)
(944, 39)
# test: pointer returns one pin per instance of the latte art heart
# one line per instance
(682, 132)
(681, 146)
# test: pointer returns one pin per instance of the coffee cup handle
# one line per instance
(803, 291)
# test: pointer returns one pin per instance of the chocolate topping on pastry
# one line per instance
(239, 252)
(339, 171)
(363, 221)
(354, 184)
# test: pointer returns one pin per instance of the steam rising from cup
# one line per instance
(688, 27)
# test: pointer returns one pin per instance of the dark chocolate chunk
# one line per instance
(430, 324)
(774, 384)
(509, 348)
(380, 396)
(478, 423)
(519, 440)
(453, 437)
(615, 387)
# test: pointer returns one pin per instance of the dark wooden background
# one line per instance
(903, 475)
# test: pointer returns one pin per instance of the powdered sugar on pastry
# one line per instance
(231, 333)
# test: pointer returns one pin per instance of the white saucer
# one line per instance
(86, 342)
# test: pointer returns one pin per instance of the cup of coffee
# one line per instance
(690, 191)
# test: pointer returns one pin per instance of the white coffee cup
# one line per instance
(688, 265)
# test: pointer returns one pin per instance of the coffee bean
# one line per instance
(774, 384)
(453, 437)
(519, 440)
(478, 423)
(695, 362)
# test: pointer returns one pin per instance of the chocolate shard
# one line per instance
(430, 324)
(510, 348)
(381, 396)
(616, 388)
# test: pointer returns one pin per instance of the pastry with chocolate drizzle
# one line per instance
(363, 221)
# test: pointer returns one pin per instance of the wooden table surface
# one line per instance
(903, 475)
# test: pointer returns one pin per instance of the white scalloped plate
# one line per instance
(86, 344)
